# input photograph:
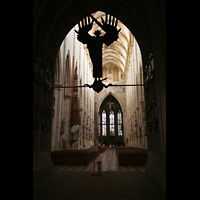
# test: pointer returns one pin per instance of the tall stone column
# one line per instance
(155, 99)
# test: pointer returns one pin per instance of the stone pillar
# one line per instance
(155, 167)
(42, 119)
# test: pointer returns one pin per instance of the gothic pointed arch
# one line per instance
(115, 96)
(111, 121)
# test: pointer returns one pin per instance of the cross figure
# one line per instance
(95, 43)
(110, 104)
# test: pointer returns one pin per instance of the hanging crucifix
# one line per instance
(94, 44)
(110, 104)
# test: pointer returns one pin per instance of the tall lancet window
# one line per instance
(112, 123)
(103, 123)
(99, 125)
(119, 116)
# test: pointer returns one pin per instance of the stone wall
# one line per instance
(72, 54)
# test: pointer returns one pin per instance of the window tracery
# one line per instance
(112, 123)
(103, 123)
(119, 117)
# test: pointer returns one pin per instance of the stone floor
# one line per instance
(77, 182)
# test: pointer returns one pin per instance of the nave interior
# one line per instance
(70, 118)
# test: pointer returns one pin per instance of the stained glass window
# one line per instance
(103, 117)
(119, 117)
(111, 117)
(112, 130)
(99, 125)
(103, 123)
(119, 129)
(103, 130)
(112, 122)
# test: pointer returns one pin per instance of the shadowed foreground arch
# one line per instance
(146, 19)
(53, 20)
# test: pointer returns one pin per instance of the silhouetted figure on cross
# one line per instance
(94, 44)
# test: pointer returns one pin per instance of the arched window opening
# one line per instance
(111, 120)
(99, 125)
(112, 123)
(103, 123)
(119, 117)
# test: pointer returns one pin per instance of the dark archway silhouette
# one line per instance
(52, 20)
(138, 16)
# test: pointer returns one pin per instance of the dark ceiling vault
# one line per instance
(52, 20)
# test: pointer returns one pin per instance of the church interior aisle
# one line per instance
(109, 163)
